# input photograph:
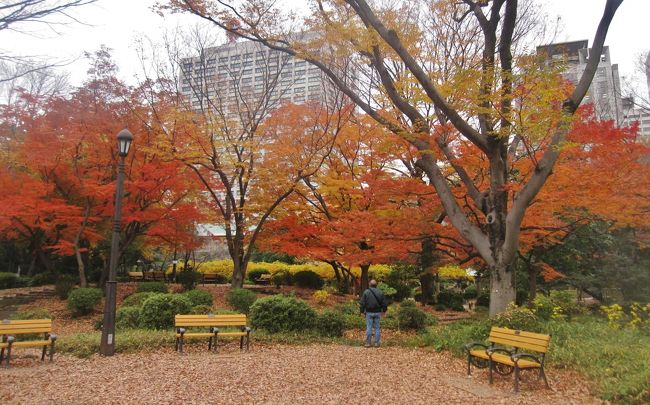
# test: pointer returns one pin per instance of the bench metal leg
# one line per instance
(210, 344)
(543, 375)
(248, 340)
(469, 364)
(10, 340)
(491, 367)
(2, 354)
(241, 343)
(43, 354)
(52, 348)
(516, 379)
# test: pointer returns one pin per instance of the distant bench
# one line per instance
(264, 279)
(504, 360)
(9, 329)
(211, 323)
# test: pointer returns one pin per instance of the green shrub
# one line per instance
(199, 297)
(202, 310)
(82, 301)
(521, 296)
(483, 299)
(308, 279)
(282, 277)
(470, 292)
(515, 317)
(389, 292)
(42, 279)
(279, 313)
(410, 316)
(402, 291)
(255, 274)
(127, 318)
(348, 308)
(188, 279)
(8, 280)
(330, 323)
(152, 286)
(159, 310)
(136, 300)
(241, 299)
(64, 286)
(34, 313)
(451, 299)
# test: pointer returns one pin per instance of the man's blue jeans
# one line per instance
(372, 321)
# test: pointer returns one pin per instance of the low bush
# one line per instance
(348, 308)
(515, 317)
(321, 296)
(202, 310)
(402, 291)
(470, 292)
(82, 301)
(199, 297)
(8, 280)
(282, 277)
(42, 279)
(451, 299)
(483, 299)
(241, 299)
(409, 316)
(279, 313)
(330, 323)
(255, 274)
(152, 286)
(188, 279)
(308, 279)
(64, 286)
(127, 318)
(34, 313)
(158, 311)
(136, 300)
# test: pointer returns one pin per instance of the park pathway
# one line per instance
(313, 374)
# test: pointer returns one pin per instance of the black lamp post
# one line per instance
(107, 346)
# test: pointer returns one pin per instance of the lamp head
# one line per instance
(124, 139)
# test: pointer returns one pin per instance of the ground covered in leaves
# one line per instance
(313, 374)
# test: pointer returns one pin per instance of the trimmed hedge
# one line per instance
(308, 279)
(152, 286)
(159, 310)
(278, 313)
(199, 297)
(83, 301)
(8, 280)
(241, 299)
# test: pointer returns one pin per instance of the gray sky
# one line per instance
(116, 23)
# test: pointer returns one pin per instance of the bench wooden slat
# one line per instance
(29, 343)
(523, 333)
(520, 339)
(17, 327)
(210, 321)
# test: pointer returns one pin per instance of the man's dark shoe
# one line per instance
(376, 344)
(367, 345)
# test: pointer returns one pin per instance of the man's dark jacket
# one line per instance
(369, 303)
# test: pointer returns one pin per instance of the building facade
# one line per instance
(605, 90)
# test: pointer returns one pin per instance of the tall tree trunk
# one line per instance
(532, 285)
(502, 287)
(426, 271)
(77, 251)
(364, 277)
(427, 284)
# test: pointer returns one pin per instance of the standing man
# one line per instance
(372, 304)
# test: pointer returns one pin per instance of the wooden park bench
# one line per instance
(147, 276)
(211, 326)
(158, 276)
(502, 355)
(209, 277)
(11, 329)
(264, 279)
(135, 276)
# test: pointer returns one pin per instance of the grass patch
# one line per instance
(126, 341)
(615, 361)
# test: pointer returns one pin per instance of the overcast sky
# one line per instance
(116, 23)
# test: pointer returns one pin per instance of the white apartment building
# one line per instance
(227, 76)
(605, 90)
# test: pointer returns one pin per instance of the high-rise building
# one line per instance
(605, 90)
(228, 76)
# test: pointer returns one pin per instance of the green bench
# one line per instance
(503, 354)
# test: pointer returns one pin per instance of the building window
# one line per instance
(234, 58)
(247, 71)
(299, 90)
(314, 88)
(300, 80)
(224, 59)
(235, 65)
(259, 70)
(301, 63)
(299, 72)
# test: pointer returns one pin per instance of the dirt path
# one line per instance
(316, 374)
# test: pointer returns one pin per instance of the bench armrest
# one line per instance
(529, 356)
(470, 346)
(492, 350)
